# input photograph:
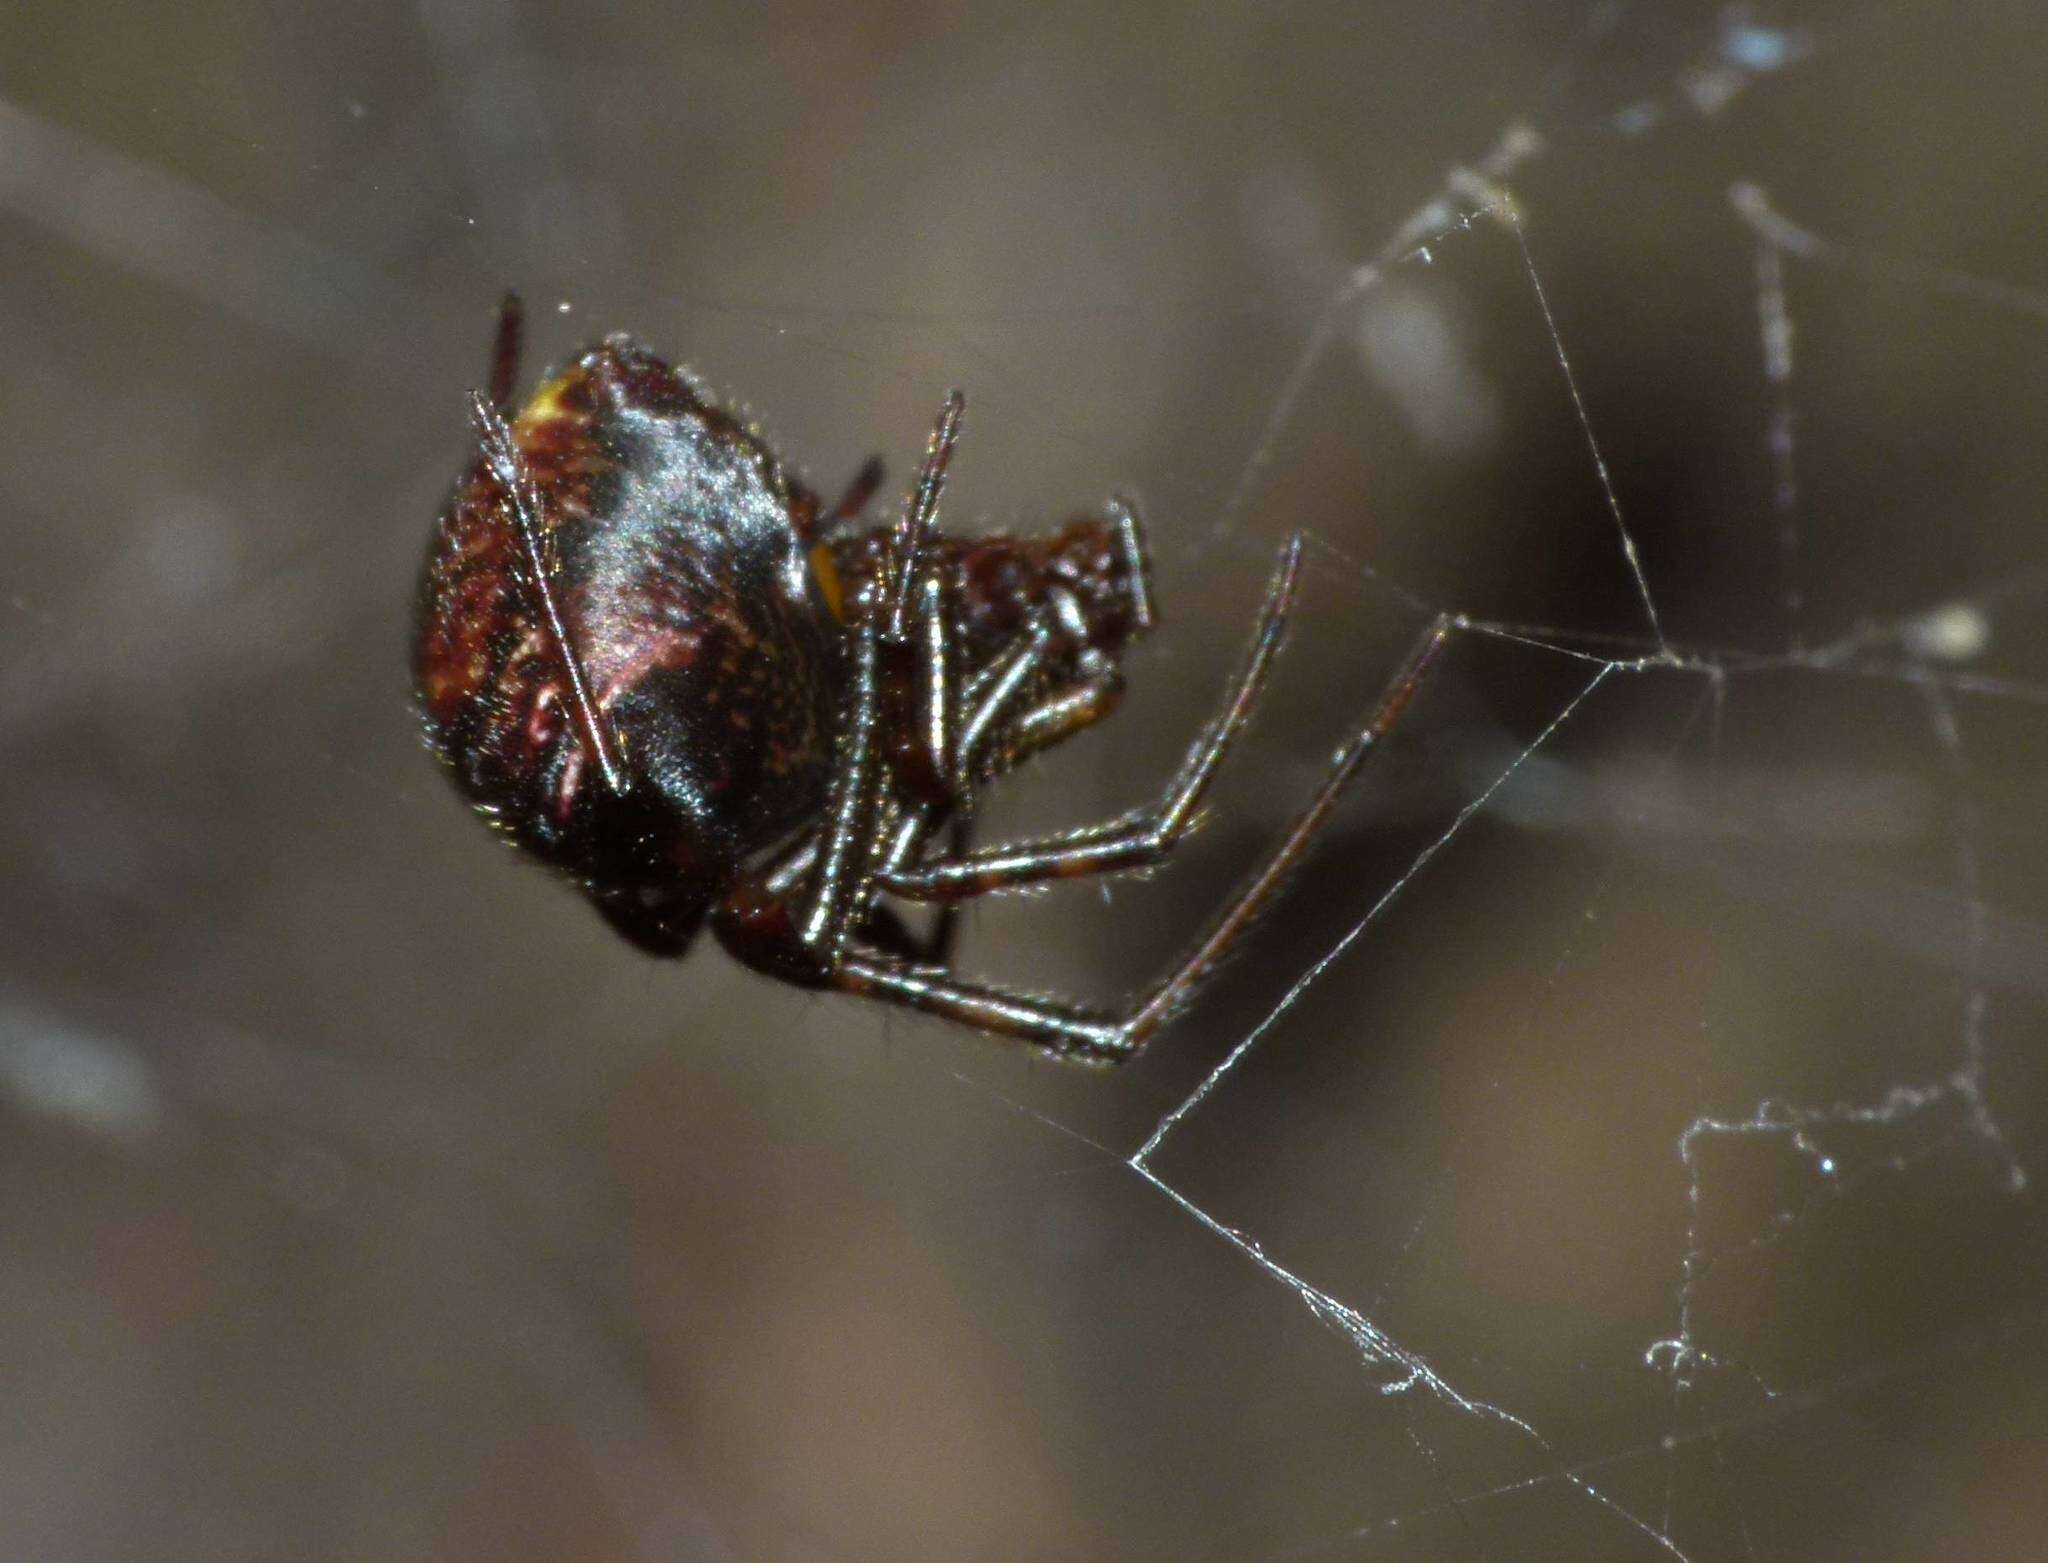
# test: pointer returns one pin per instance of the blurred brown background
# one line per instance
(362, 1198)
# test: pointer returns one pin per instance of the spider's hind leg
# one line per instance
(1097, 1037)
(884, 928)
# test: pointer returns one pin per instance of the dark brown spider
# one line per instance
(654, 660)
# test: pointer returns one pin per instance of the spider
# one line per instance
(657, 661)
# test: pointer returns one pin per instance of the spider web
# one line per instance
(1617, 1143)
(1804, 1187)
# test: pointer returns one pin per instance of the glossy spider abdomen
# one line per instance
(709, 619)
(710, 656)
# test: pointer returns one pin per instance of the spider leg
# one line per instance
(764, 920)
(505, 351)
(938, 945)
(1060, 715)
(1166, 997)
(884, 928)
(1090, 1035)
(794, 916)
(900, 691)
(838, 878)
(993, 736)
(990, 740)
(925, 789)
(781, 875)
(996, 691)
(1136, 840)
(777, 880)
(855, 499)
(1080, 702)
(813, 523)
(940, 753)
(791, 918)
(918, 702)
(905, 762)
(1063, 1029)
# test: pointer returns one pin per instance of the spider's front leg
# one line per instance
(792, 919)
(1053, 679)
(1141, 838)
(912, 744)
(1094, 1036)
(941, 753)
(891, 753)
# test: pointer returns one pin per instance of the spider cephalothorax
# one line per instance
(656, 661)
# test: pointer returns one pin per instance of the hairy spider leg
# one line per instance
(935, 759)
(501, 451)
(905, 826)
(994, 736)
(923, 714)
(1090, 1035)
(1144, 836)
(901, 684)
(1169, 995)
(854, 799)
(761, 921)
(803, 941)
(1075, 706)
(854, 500)
(883, 928)
(505, 350)
(907, 555)
(905, 762)
(1079, 703)
(989, 696)
(919, 703)
(813, 523)
(1130, 536)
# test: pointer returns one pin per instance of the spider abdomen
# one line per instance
(684, 586)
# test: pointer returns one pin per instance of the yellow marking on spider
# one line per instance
(825, 570)
(545, 403)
